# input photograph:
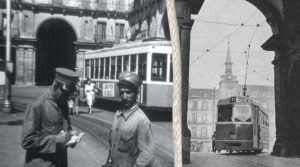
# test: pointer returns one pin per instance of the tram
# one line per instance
(241, 126)
(151, 60)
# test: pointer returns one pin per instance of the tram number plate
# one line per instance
(108, 89)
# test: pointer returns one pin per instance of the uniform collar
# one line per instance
(127, 113)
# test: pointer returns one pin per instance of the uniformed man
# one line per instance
(131, 139)
(47, 129)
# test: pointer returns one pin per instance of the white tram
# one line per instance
(151, 60)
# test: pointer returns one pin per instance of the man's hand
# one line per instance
(63, 138)
(74, 139)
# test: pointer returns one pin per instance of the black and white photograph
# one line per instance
(85, 83)
(240, 74)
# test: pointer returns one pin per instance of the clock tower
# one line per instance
(229, 83)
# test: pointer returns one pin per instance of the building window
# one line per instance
(195, 105)
(100, 32)
(159, 71)
(203, 132)
(102, 4)
(120, 6)
(119, 32)
(194, 132)
(204, 118)
(88, 29)
(204, 106)
(142, 69)
(194, 118)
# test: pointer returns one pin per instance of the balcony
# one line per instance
(103, 38)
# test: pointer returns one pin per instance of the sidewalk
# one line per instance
(87, 153)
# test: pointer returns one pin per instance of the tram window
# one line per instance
(142, 66)
(97, 69)
(132, 63)
(126, 63)
(158, 72)
(242, 113)
(106, 68)
(225, 114)
(92, 68)
(119, 66)
(112, 67)
(101, 68)
(87, 68)
(171, 69)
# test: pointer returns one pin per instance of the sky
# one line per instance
(218, 22)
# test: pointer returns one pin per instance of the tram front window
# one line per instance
(242, 113)
(225, 114)
(159, 67)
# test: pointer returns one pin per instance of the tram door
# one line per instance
(255, 127)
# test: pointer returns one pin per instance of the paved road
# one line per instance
(162, 128)
(240, 160)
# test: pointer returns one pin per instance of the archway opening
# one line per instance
(55, 48)
(226, 34)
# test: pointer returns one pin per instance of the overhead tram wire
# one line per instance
(224, 23)
(247, 60)
(227, 36)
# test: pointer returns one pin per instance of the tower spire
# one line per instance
(228, 63)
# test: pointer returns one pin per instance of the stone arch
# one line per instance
(76, 30)
(272, 17)
(55, 48)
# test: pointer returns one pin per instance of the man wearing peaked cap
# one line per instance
(137, 149)
(66, 79)
(47, 129)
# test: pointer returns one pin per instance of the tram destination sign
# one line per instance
(108, 89)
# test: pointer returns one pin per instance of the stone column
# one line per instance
(20, 68)
(185, 24)
(25, 65)
(281, 66)
(80, 61)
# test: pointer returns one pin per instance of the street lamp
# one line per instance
(7, 106)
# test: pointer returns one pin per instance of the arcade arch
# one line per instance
(278, 42)
(55, 48)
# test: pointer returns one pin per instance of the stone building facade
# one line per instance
(56, 33)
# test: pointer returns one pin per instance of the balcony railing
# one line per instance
(100, 38)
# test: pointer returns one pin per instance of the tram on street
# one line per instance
(151, 60)
(241, 126)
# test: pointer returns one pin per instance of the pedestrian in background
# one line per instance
(90, 94)
(47, 128)
(71, 103)
(77, 94)
(131, 138)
